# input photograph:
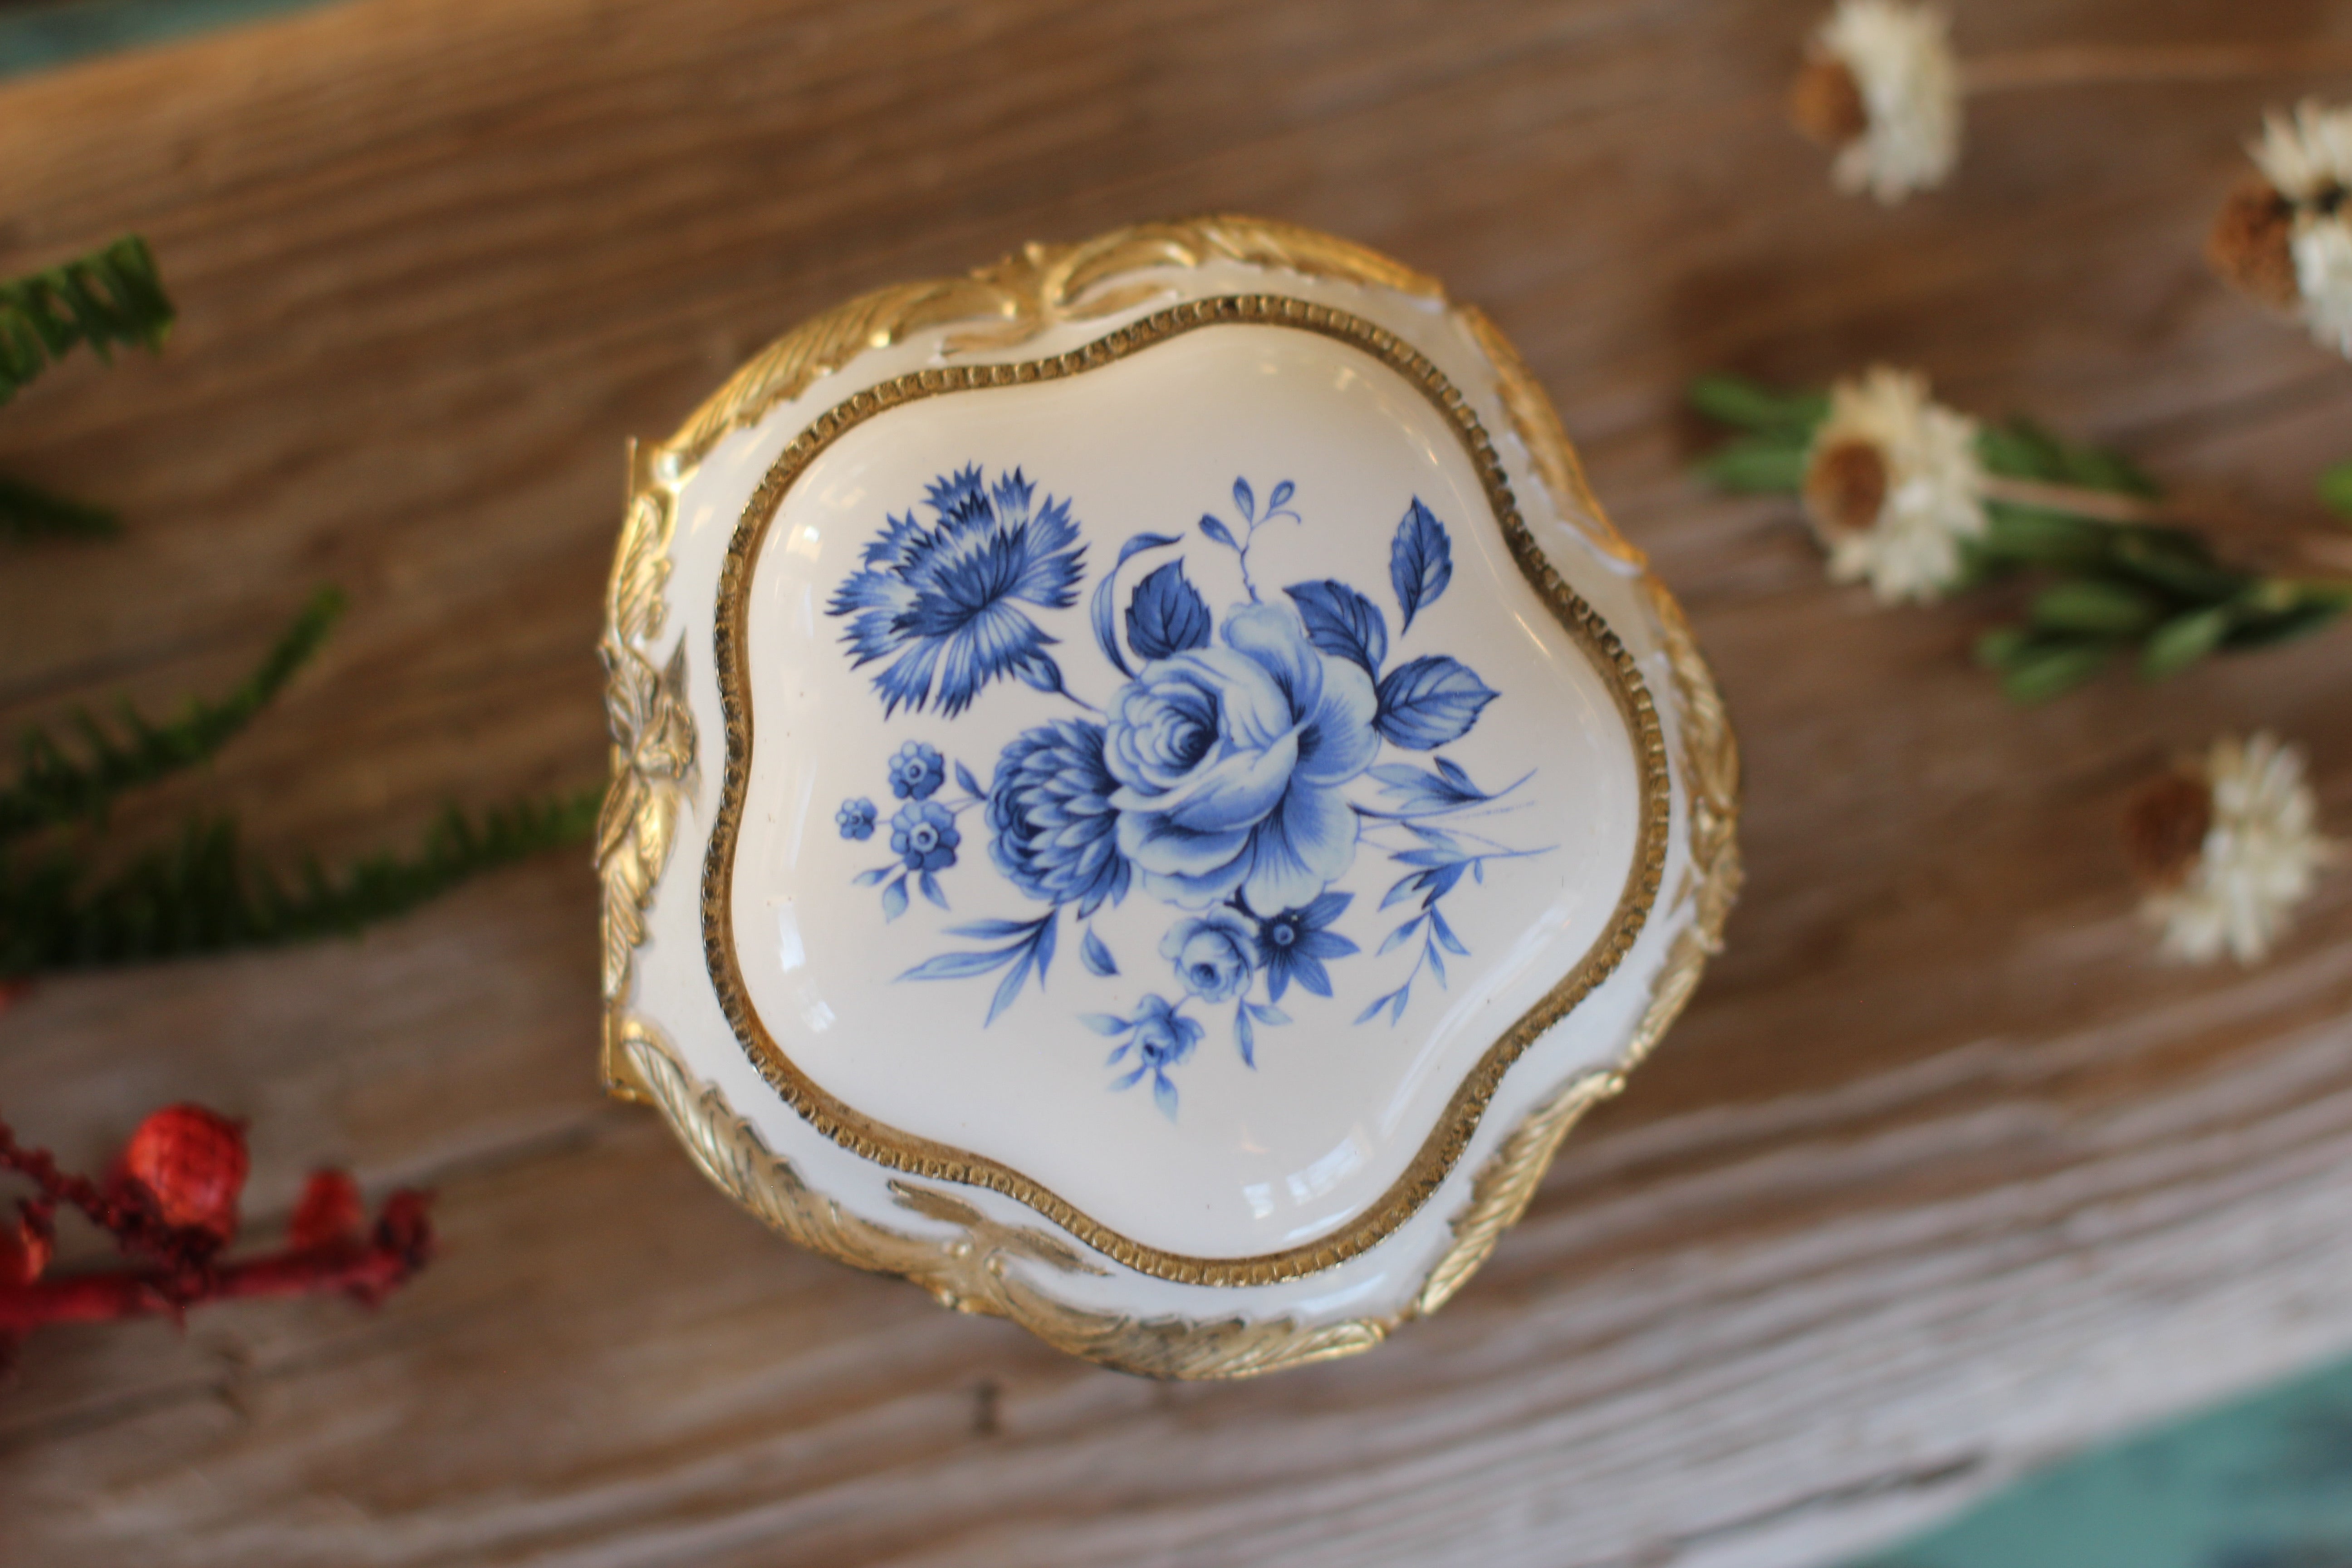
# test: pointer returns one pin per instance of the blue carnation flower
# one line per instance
(941, 602)
(1057, 836)
(923, 835)
(1293, 945)
(916, 771)
(855, 819)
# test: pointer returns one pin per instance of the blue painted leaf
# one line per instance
(1097, 957)
(1039, 672)
(1009, 988)
(1167, 616)
(1265, 1015)
(1107, 1025)
(956, 966)
(1044, 942)
(930, 886)
(1342, 623)
(1396, 1008)
(1456, 777)
(1430, 702)
(1218, 532)
(867, 879)
(989, 930)
(1246, 498)
(1163, 1095)
(894, 899)
(971, 785)
(1445, 936)
(1102, 610)
(1118, 1054)
(1421, 561)
(1243, 1036)
(1368, 1013)
(1400, 936)
(1281, 496)
(1436, 960)
(1141, 542)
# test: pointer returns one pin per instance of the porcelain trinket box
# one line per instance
(1148, 796)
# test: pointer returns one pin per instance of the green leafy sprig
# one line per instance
(52, 785)
(58, 909)
(107, 298)
(208, 894)
(2111, 589)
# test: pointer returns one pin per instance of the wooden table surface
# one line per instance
(1941, 1175)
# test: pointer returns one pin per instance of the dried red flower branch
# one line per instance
(170, 1202)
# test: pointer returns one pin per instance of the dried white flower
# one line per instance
(2287, 240)
(2323, 276)
(1892, 484)
(2307, 157)
(2227, 846)
(1883, 87)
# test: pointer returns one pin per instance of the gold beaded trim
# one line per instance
(897, 1150)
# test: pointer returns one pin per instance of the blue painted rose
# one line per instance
(1212, 954)
(1230, 763)
(1163, 1037)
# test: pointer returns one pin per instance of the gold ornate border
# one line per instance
(899, 1150)
(1035, 289)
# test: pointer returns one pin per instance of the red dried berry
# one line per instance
(330, 1212)
(25, 1250)
(193, 1163)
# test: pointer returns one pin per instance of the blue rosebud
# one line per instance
(923, 835)
(855, 819)
(916, 771)
(1212, 954)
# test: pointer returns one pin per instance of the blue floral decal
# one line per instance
(1238, 764)
(945, 599)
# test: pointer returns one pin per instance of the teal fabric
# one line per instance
(2263, 1482)
(37, 37)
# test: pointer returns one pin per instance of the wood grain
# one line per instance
(1941, 1176)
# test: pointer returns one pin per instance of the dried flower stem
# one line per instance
(2077, 500)
(2123, 65)
(369, 1271)
(180, 1270)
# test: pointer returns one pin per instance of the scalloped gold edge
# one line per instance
(1023, 294)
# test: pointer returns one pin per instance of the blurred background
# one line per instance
(1949, 1229)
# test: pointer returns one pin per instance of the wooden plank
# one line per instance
(1941, 1174)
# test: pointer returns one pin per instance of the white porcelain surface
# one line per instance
(1211, 1156)
(1254, 1158)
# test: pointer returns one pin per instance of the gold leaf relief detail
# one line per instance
(978, 1265)
(653, 751)
(972, 1270)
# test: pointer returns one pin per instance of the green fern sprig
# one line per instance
(2113, 589)
(28, 513)
(112, 297)
(2336, 490)
(208, 894)
(52, 786)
